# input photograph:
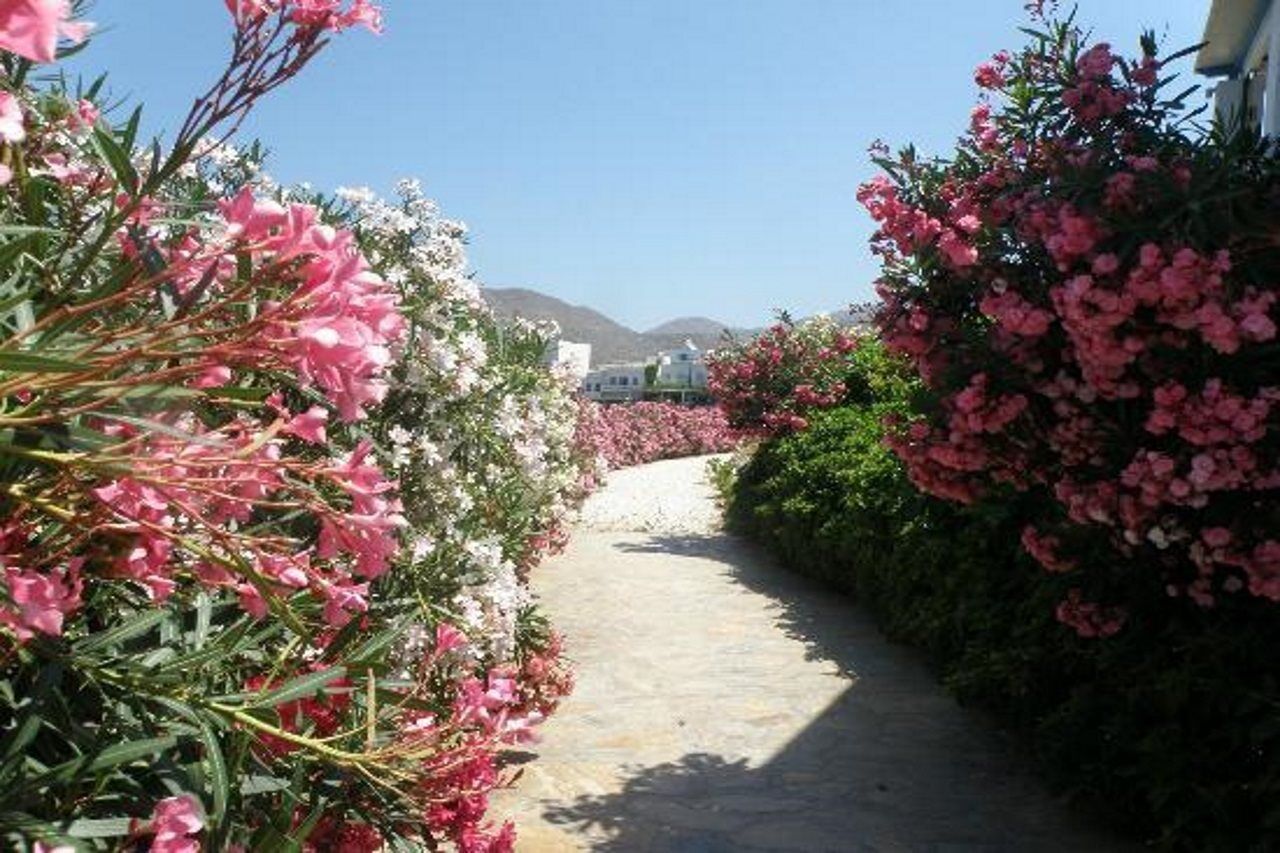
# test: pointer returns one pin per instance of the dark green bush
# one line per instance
(1170, 729)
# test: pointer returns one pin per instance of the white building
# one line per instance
(615, 383)
(685, 367)
(573, 358)
(1244, 48)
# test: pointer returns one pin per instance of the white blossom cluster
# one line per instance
(478, 432)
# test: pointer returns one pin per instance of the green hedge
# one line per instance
(1171, 729)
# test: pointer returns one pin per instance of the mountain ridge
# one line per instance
(611, 341)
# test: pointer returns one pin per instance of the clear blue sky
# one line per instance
(649, 158)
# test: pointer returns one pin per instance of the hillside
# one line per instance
(613, 342)
(610, 341)
(688, 326)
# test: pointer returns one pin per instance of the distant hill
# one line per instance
(689, 326)
(610, 341)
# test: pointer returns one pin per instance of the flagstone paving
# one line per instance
(726, 705)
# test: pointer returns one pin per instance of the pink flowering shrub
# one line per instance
(219, 624)
(1087, 290)
(1092, 431)
(625, 434)
(771, 382)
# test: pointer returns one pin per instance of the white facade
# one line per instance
(574, 358)
(1244, 47)
(685, 367)
(615, 382)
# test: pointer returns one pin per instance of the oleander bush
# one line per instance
(1072, 504)
(625, 434)
(768, 383)
(1168, 733)
(269, 473)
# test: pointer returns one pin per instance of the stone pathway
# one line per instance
(726, 705)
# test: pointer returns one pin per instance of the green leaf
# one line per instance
(296, 688)
(376, 645)
(258, 784)
(24, 362)
(231, 392)
(117, 157)
(157, 426)
(204, 617)
(111, 827)
(136, 627)
(25, 230)
(219, 779)
(218, 776)
(112, 756)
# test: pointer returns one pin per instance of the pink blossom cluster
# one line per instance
(625, 434)
(956, 459)
(769, 382)
(1086, 341)
(174, 823)
(178, 516)
(1090, 619)
(458, 749)
(182, 510)
(335, 15)
(488, 713)
(38, 602)
(32, 28)
(338, 327)
(911, 228)
(1095, 97)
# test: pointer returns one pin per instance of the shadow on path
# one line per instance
(829, 625)
(892, 764)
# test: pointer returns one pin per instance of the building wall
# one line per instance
(685, 366)
(615, 382)
(571, 356)
(1251, 90)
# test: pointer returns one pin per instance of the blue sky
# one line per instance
(649, 158)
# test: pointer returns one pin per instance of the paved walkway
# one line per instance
(726, 705)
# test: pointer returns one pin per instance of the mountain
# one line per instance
(611, 342)
(689, 326)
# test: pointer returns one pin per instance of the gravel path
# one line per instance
(665, 497)
(726, 705)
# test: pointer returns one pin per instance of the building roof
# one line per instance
(1229, 33)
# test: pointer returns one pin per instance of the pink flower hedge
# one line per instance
(769, 382)
(1088, 289)
(226, 573)
(624, 434)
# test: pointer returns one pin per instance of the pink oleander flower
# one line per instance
(309, 425)
(31, 28)
(989, 76)
(12, 128)
(1096, 62)
(174, 821)
(332, 15)
(39, 602)
(1088, 619)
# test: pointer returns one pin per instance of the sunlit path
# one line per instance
(724, 705)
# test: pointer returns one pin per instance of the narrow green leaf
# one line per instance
(117, 158)
(25, 362)
(204, 617)
(257, 784)
(218, 777)
(111, 827)
(136, 627)
(296, 688)
(112, 756)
